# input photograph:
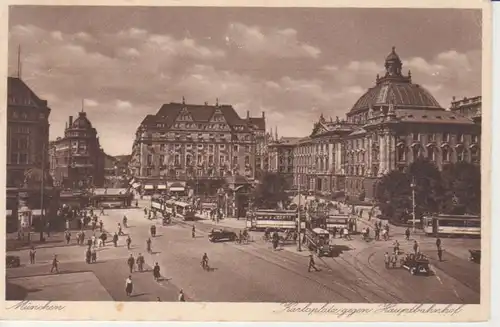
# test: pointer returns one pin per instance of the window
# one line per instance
(401, 153)
(431, 154)
(222, 146)
(446, 154)
(416, 152)
(235, 148)
(163, 147)
(177, 159)
(200, 136)
(150, 159)
(221, 160)
(460, 155)
(189, 146)
(460, 138)
(235, 160)
(210, 159)
(14, 157)
(211, 148)
(162, 159)
(431, 137)
(148, 171)
(474, 154)
(446, 137)
(416, 136)
(199, 159)
(247, 160)
(200, 146)
(474, 139)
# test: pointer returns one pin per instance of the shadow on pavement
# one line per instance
(339, 249)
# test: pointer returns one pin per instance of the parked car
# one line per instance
(416, 265)
(221, 235)
(12, 261)
(475, 256)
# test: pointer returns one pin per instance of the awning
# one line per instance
(177, 189)
(37, 212)
(162, 187)
(148, 187)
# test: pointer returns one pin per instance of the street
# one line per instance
(252, 272)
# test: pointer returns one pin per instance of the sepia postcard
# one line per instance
(313, 161)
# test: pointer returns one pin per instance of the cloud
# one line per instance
(123, 104)
(90, 103)
(279, 43)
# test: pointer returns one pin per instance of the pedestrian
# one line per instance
(67, 235)
(140, 262)
(129, 241)
(101, 224)
(94, 240)
(82, 240)
(384, 234)
(148, 245)
(407, 233)
(131, 262)
(346, 234)
(438, 243)
(156, 272)
(55, 264)
(387, 260)
(377, 233)
(32, 255)
(394, 260)
(334, 231)
(415, 247)
(129, 286)
(193, 232)
(88, 255)
(396, 247)
(94, 255)
(115, 240)
(120, 232)
(312, 264)
(181, 296)
(102, 212)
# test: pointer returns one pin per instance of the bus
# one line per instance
(452, 225)
(274, 219)
(341, 221)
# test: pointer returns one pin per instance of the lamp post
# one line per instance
(413, 186)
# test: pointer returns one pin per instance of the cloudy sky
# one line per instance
(291, 63)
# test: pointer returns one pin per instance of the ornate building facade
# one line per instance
(27, 131)
(77, 159)
(186, 141)
(389, 127)
(468, 107)
(281, 156)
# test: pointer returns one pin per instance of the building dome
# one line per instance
(395, 89)
(82, 122)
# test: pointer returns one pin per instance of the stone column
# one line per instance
(369, 159)
(391, 164)
(382, 154)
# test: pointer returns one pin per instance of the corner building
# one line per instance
(187, 141)
(389, 127)
(77, 159)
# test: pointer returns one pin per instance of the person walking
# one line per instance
(156, 272)
(94, 255)
(55, 264)
(181, 296)
(129, 286)
(193, 232)
(115, 240)
(394, 260)
(67, 235)
(129, 241)
(102, 212)
(407, 233)
(88, 255)
(148, 245)
(94, 240)
(415, 247)
(387, 260)
(140, 262)
(312, 264)
(32, 255)
(439, 249)
(101, 225)
(131, 262)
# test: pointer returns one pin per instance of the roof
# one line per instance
(258, 122)
(401, 94)
(393, 56)
(82, 122)
(199, 113)
(432, 116)
(18, 92)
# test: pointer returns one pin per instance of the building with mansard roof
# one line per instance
(77, 159)
(187, 141)
(390, 126)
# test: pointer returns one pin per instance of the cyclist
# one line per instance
(204, 261)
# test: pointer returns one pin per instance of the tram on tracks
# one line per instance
(452, 225)
(273, 219)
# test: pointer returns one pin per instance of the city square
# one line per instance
(169, 197)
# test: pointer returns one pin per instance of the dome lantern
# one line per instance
(393, 64)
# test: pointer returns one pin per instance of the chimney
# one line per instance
(248, 114)
(70, 121)
(263, 114)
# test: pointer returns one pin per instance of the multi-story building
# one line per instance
(77, 159)
(468, 107)
(389, 127)
(27, 131)
(186, 141)
(281, 157)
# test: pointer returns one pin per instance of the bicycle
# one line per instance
(205, 266)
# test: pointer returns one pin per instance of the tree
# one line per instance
(271, 191)
(393, 194)
(462, 188)
(429, 191)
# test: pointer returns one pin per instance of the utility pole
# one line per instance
(42, 193)
(413, 186)
(19, 71)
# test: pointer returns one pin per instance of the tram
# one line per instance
(273, 219)
(452, 225)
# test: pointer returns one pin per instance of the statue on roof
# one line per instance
(183, 100)
(337, 120)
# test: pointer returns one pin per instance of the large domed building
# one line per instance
(392, 124)
(77, 159)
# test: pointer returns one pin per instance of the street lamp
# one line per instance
(413, 186)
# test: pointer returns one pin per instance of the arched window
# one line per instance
(401, 153)
(445, 154)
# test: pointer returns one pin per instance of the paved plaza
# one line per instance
(251, 272)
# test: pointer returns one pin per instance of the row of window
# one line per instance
(25, 115)
(201, 137)
(190, 159)
(211, 147)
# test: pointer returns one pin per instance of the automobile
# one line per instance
(220, 235)
(416, 265)
(475, 256)
(12, 261)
